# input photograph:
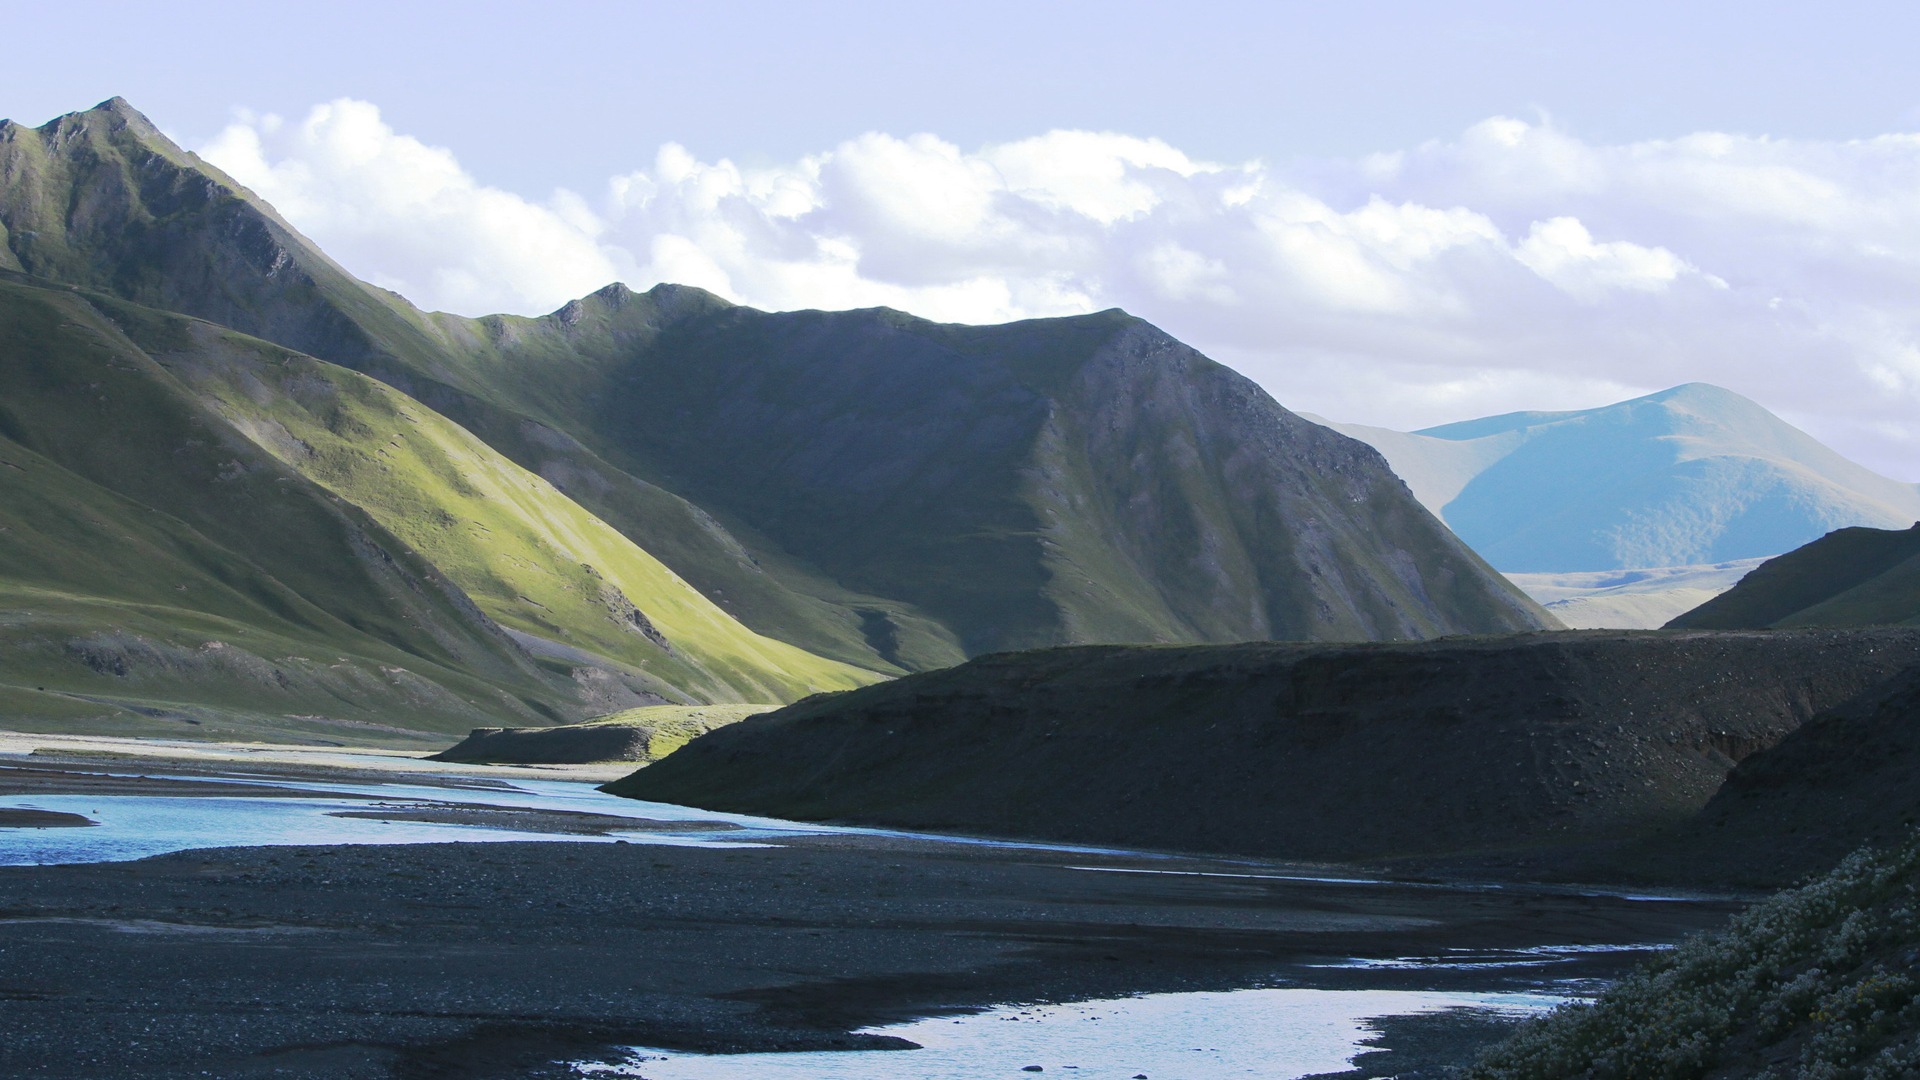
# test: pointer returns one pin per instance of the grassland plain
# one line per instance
(1822, 981)
(873, 488)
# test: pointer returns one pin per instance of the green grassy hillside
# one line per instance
(161, 574)
(1849, 577)
(873, 488)
(206, 534)
(533, 559)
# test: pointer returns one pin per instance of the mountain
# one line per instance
(1510, 747)
(559, 579)
(872, 488)
(119, 418)
(1849, 577)
(1688, 476)
(1041, 482)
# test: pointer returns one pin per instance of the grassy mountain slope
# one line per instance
(1691, 475)
(532, 559)
(1820, 981)
(1850, 577)
(1498, 747)
(878, 489)
(163, 574)
(169, 554)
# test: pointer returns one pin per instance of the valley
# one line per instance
(397, 693)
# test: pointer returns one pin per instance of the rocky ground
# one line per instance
(498, 960)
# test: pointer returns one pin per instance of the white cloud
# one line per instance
(407, 217)
(1515, 266)
(1565, 253)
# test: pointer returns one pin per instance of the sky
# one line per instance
(1386, 213)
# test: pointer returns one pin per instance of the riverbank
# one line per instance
(502, 959)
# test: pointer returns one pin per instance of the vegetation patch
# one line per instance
(1821, 982)
(645, 734)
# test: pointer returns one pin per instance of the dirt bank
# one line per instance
(1850, 776)
(1460, 747)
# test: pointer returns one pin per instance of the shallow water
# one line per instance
(1272, 1033)
(139, 826)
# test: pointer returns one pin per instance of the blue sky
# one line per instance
(1390, 213)
(534, 96)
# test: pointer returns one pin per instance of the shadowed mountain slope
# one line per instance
(1498, 746)
(871, 487)
(1850, 577)
(1080, 479)
(1691, 475)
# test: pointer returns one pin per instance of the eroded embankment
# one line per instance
(1845, 778)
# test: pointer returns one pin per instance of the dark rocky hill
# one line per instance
(1849, 577)
(1517, 744)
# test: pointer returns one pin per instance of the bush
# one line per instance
(1820, 982)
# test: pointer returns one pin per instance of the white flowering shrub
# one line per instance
(1818, 983)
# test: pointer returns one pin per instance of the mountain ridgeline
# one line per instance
(762, 503)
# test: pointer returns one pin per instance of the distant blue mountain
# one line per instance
(1696, 474)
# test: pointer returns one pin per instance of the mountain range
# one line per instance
(250, 489)
(1689, 476)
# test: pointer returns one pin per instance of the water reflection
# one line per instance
(1271, 1033)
